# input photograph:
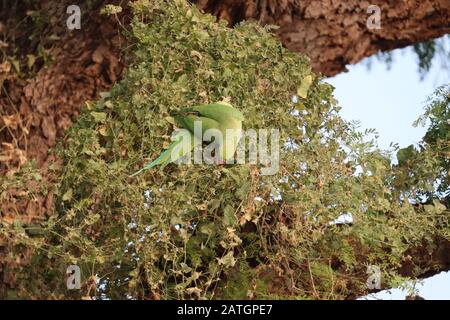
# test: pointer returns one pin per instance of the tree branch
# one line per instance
(335, 33)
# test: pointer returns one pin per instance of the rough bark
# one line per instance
(41, 108)
(335, 33)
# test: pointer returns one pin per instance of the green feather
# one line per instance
(220, 116)
(168, 155)
(188, 122)
(219, 111)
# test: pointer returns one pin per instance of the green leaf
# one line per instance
(403, 155)
(31, 59)
(185, 268)
(98, 116)
(228, 260)
(228, 216)
(67, 195)
(302, 90)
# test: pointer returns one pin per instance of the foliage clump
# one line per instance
(205, 231)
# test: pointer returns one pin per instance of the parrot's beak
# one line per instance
(220, 162)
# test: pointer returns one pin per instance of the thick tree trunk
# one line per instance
(44, 105)
(85, 62)
(335, 33)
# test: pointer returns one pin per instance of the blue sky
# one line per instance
(389, 101)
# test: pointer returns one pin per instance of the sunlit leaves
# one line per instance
(192, 231)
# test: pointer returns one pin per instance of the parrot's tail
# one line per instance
(165, 158)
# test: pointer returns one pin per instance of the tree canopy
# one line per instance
(205, 231)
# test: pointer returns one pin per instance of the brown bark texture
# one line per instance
(36, 111)
(334, 33)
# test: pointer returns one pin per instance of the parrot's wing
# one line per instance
(233, 132)
(188, 122)
(219, 111)
(183, 142)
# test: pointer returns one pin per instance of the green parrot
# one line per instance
(216, 118)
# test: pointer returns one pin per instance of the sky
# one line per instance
(387, 100)
(390, 101)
